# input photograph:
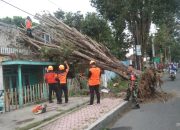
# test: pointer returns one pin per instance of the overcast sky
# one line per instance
(37, 6)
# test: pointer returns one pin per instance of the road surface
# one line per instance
(154, 116)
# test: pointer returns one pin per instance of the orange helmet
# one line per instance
(61, 67)
(92, 62)
(50, 67)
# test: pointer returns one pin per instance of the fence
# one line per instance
(38, 93)
(8, 51)
(31, 94)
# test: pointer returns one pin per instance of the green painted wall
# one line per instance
(31, 74)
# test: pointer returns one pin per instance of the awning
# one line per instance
(22, 62)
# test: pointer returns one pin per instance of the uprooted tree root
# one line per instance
(149, 85)
(149, 88)
(158, 97)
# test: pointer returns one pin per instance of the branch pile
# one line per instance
(78, 46)
(150, 85)
(65, 39)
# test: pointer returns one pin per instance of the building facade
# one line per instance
(21, 72)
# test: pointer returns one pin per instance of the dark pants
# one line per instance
(29, 32)
(53, 87)
(63, 88)
(96, 90)
(132, 93)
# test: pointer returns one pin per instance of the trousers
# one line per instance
(96, 90)
(63, 88)
(53, 87)
(133, 93)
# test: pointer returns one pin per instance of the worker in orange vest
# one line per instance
(94, 81)
(62, 76)
(28, 24)
(50, 78)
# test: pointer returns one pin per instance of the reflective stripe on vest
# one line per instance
(95, 76)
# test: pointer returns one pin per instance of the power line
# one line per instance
(20, 9)
(17, 8)
(53, 3)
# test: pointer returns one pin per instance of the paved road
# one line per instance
(154, 116)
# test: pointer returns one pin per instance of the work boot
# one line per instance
(51, 101)
(126, 99)
(136, 106)
(58, 102)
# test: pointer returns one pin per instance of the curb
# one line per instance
(37, 125)
(108, 117)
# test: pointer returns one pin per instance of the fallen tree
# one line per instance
(67, 42)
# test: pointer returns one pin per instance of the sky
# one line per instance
(38, 6)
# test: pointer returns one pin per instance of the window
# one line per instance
(46, 38)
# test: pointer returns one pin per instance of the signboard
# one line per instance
(157, 59)
(138, 50)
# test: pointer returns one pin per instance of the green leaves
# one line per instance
(71, 19)
(136, 16)
(94, 26)
(16, 20)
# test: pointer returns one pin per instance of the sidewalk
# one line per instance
(84, 117)
(24, 117)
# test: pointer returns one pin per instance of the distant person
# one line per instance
(50, 78)
(28, 24)
(62, 76)
(172, 68)
(94, 82)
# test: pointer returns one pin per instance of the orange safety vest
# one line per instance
(28, 24)
(63, 77)
(50, 77)
(95, 76)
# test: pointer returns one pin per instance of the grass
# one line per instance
(32, 125)
(117, 85)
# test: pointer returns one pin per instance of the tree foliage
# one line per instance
(95, 26)
(136, 16)
(16, 20)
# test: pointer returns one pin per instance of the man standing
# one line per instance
(50, 78)
(62, 76)
(94, 81)
(132, 89)
(28, 24)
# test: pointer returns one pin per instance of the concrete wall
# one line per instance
(8, 34)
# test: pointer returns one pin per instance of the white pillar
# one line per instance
(104, 78)
(1, 78)
(1, 92)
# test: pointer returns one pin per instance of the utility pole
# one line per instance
(153, 52)
(165, 55)
(169, 54)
